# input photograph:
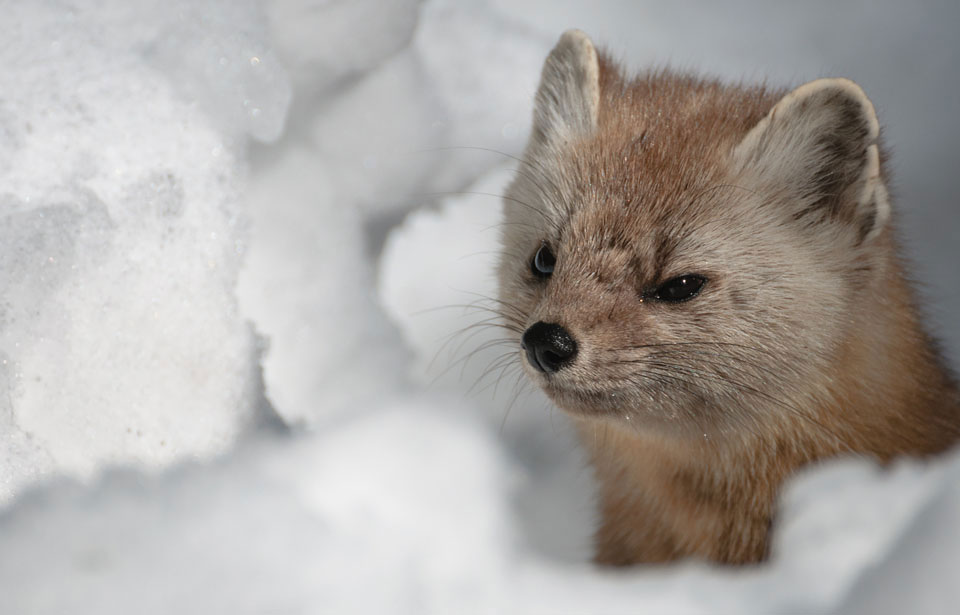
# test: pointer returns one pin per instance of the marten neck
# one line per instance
(888, 391)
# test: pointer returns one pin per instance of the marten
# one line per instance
(706, 277)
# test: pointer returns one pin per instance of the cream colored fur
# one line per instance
(569, 98)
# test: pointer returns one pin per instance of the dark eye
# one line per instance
(680, 288)
(543, 262)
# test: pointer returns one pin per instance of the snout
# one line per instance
(549, 347)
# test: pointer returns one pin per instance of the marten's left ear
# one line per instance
(817, 152)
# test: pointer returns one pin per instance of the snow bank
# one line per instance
(193, 192)
(290, 526)
(363, 518)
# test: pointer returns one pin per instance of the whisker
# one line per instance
(691, 343)
(699, 354)
(501, 362)
(535, 165)
(519, 314)
(476, 328)
(549, 221)
(465, 360)
(799, 412)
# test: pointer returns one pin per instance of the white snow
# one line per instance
(219, 216)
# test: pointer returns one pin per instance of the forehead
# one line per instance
(659, 152)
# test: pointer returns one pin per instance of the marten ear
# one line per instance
(568, 98)
(817, 152)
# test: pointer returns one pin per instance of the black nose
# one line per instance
(549, 347)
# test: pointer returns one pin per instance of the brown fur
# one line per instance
(804, 344)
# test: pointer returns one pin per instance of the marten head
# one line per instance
(684, 255)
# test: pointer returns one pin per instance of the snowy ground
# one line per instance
(233, 240)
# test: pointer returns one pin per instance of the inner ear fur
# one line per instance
(817, 148)
(568, 98)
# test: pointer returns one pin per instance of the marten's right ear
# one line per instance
(568, 99)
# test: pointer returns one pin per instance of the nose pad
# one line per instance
(549, 347)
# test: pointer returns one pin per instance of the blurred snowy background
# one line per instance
(233, 236)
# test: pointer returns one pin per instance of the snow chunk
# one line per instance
(120, 240)
(485, 67)
(308, 286)
(918, 574)
(378, 138)
(438, 282)
(215, 52)
(323, 41)
(378, 146)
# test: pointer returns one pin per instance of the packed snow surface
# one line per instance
(246, 253)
